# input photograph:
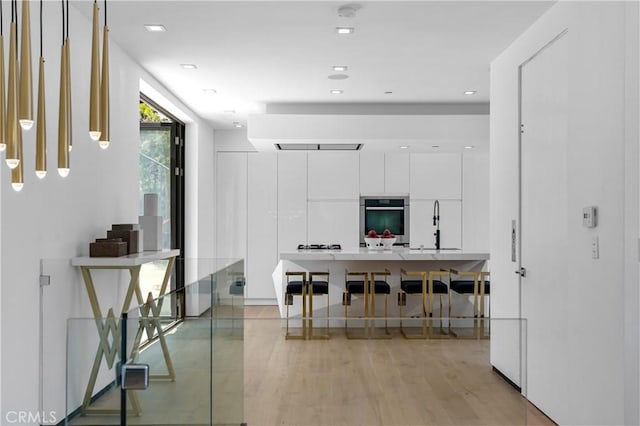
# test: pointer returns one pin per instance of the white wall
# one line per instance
(603, 164)
(56, 218)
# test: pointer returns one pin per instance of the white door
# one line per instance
(544, 233)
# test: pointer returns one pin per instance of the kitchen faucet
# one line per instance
(436, 222)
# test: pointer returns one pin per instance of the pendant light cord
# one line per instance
(62, 2)
(1, 19)
(67, 19)
(105, 13)
(40, 28)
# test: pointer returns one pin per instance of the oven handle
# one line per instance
(385, 208)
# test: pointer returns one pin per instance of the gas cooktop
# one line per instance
(319, 247)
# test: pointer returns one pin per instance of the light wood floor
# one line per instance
(373, 382)
(262, 379)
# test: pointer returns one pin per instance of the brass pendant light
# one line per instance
(17, 176)
(63, 120)
(12, 157)
(41, 124)
(94, 88)
(25, 101)
(104, 92)
(67, 57)
(3, 95)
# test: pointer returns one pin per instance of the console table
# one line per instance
(110, 324)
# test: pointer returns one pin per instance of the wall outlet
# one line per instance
(595, 248)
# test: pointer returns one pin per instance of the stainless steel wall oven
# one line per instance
(385, 212)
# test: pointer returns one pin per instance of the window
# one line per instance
(162, 172)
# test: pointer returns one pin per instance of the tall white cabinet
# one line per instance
(262, 223)
(436, 177)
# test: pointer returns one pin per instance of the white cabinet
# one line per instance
(436, 176)
(231, 204)
(475, 201)
(396, 173)
(292, 200)
(384, 173)
(334, 222)
(262, 224)
(422, 228)
(333, 175)
(372, 174)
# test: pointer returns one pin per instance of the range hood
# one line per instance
(318, 146)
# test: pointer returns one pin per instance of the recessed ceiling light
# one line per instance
(209, 91)
(229, 111)
(435, 146)
(404, 147)
(470, 92)
(340, 67)
(469, 147)
(388, 92)
(336, 92)
(189, 66)
(345, 30)
(338, 77)
(236, 124)
(155, 27)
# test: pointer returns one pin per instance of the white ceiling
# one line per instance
(259, 53)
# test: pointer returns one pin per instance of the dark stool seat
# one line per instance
(357, 287)
(415, 286)
(295, 287)
(237, 288)
(320, 287)
(466, 286)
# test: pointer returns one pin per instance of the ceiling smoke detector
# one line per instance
(348, 10)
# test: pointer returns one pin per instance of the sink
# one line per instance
(433, 249)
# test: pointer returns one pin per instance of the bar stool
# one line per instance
(367, 284)
(236, 289)
(296, 288)
(356, 283)
(426, 286)
(380, 286)
(479, 287)
(318, 287)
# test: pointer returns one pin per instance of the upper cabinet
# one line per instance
(333, 175)
(384, 173)
(292, 200)
(436, 176)
(396, 173)
(372, 173)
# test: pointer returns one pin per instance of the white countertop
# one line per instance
(125, 261)
(399, 253)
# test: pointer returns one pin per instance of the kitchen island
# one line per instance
(362, 259)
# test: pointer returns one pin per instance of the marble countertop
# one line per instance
(400, 253)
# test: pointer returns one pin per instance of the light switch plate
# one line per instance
(590, 217)
(595, 248)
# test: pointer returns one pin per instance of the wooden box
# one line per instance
(128, 236)
(104, 247)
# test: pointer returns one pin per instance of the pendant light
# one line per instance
(3, 98)
(67, 58)
(41, 124)
(12, 157)
(17, 176)
(104, 92)
(25, 100)
(63, 122)
(94, 88)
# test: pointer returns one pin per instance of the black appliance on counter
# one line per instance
(319, 247)
(385, 212)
